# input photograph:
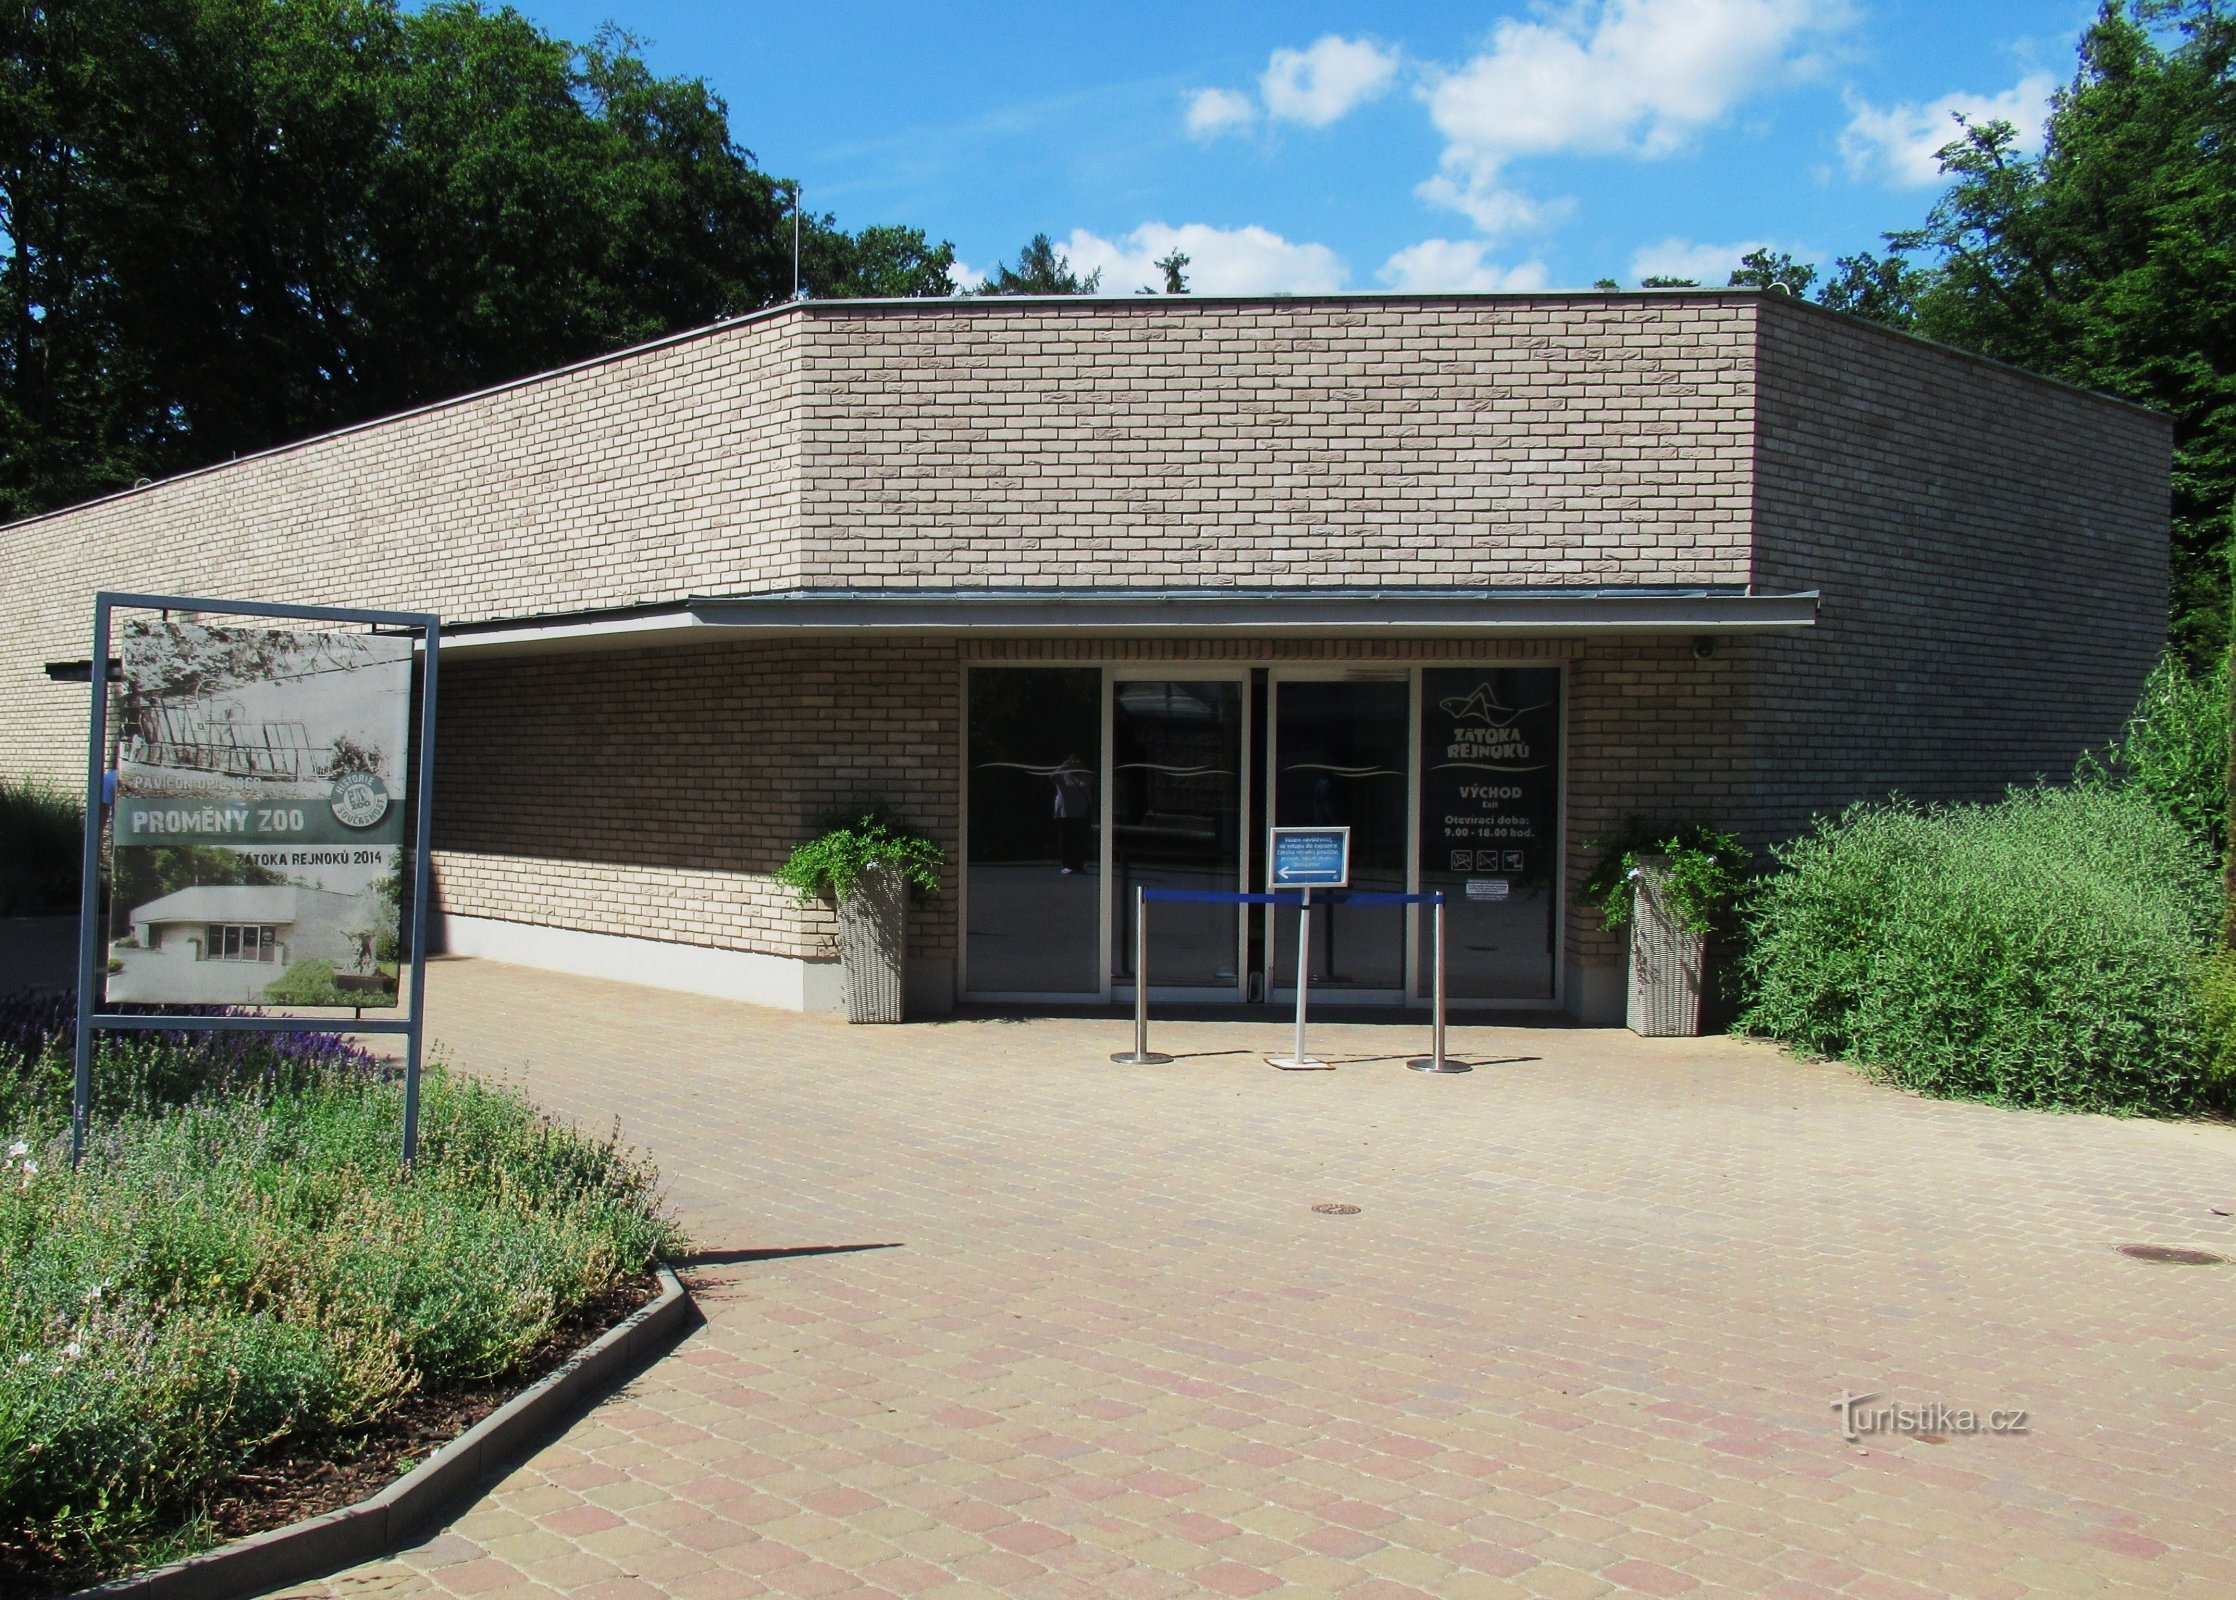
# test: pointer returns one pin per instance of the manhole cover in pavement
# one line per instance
(2172, 1255)
(1337, 1211)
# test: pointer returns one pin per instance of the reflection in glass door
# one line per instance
(1033, 852)
(1175, 823)
(1341, 751)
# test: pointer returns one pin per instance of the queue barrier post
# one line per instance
(1141, 1055)
(1436, 1060)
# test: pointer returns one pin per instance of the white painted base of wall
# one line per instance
(785, 982)
(1597, 995)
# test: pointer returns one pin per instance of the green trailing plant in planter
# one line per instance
(828, 865)
(1675, 889)
(867, 868)
(1704, 875)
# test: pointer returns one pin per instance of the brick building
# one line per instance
(1482, 576)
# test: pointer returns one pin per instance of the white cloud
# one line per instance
(1635, 77)
(1247, 260)
(1212, 112)
(1440, 264)
(964, 277)
(1317, 85)
(1708, 264)
(1898, 144)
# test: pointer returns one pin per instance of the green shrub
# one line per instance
(311, 983)
(251, 1266)
(2175, 747)
(2040, 951)
(42, 840)
(829, 864)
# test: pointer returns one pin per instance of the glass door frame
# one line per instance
(1343, 672)
(1418, 986)
(1118, 672)
(1109, 991)
(1253, 848)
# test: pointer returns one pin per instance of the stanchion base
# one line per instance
(1431, 1064)
(1300, 1064)
(1144, 1058)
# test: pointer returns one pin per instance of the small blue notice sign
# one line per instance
(1311, 858)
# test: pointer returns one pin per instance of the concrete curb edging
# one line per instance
(323, 1544)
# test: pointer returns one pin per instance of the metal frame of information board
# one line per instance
(90, 934)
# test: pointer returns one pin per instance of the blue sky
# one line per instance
(1342, 146)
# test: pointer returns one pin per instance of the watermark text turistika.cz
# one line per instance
(1859, 1417)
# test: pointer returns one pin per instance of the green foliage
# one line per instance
(1659, 281)
(311, 983)
(251, 1267)
(2175, 748)
(1878, 289)
(2216, 998)
(225, 224)
(829, 864)
(2110, 259)
(1706, 873)
(2040, 951)
(1041, 269)
(42, 840)
(1760, 269)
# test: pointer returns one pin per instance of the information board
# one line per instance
(260, 822)
(1311, 858)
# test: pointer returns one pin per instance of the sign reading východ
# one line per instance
(258, 836)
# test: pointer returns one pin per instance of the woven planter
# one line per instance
(1668, 966)
(873, 944)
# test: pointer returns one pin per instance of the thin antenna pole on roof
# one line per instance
(795, 238)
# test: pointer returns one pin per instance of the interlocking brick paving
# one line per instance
(989, 1315)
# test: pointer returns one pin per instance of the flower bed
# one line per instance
(240, 1273)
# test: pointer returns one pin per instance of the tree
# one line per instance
(1172, 266)
(1658, 281)
(225, 224)
(1759, 269)
(1040, 269)
(1876, 288)
(2110, 259)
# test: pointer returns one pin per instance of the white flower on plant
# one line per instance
(18, 1150)
(72, 1351)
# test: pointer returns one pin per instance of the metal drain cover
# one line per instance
(2172, 1255)
(1333, 1210)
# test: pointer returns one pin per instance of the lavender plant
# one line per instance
(240, 1264)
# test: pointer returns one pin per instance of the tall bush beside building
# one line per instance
(2040, 951)
(41, 838)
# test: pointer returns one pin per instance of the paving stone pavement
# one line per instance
(989, 1315)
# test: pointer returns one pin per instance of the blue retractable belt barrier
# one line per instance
(1291, 897)
(1142, 1055)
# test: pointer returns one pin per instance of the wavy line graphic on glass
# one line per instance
(1123, 766)
(1484, 707)
(1343, 772)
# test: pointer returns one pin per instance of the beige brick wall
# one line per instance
(1551, 439)
(1554, 440)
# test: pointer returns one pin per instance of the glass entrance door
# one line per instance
(1341, 752)
(1033, 853)
(1176, 785)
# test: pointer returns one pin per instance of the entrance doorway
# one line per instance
(1339, 754)
(1086, 784)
